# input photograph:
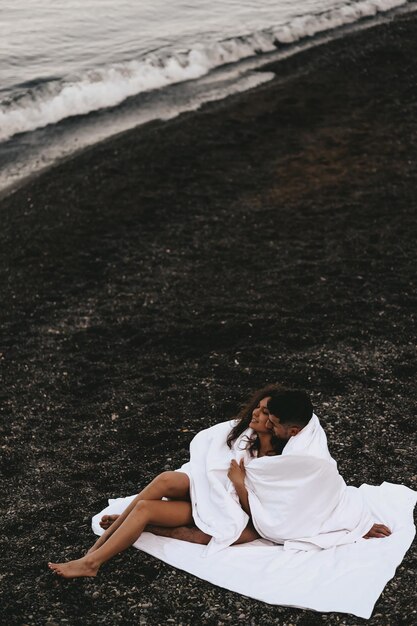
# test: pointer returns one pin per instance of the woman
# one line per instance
(149, 509)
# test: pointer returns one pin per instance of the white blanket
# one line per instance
(297, 499)
(311, 509)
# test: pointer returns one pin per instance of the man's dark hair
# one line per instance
(292, 406)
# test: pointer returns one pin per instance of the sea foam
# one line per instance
(51, 102)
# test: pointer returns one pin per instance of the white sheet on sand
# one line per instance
(308, 508)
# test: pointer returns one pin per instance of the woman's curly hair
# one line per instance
(244, 417)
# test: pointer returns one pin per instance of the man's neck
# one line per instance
(279, 444)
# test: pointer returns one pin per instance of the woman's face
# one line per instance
(260, 417)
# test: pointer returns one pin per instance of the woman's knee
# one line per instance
(172, 482)
(166, 477)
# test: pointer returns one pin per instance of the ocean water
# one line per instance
(76, 71)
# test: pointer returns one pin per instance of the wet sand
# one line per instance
(154, 280)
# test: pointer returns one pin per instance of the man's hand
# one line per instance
(377, 531)
(237, 472)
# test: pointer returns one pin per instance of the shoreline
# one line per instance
(322, 39)
(154, 280)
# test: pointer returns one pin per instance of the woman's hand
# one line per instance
(237, 472)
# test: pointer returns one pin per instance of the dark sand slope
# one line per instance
(155, 279)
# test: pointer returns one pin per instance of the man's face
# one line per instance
(281, 431)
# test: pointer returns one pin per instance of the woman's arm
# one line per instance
(236, 474)
(108, 533)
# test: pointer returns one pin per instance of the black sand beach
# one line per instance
(154, 280)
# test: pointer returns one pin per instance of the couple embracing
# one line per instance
(267, 473)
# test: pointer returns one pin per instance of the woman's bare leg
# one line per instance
(168, 484)
(144, 512)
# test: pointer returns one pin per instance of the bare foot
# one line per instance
(74, 569)
(107, 520)
(377, 531)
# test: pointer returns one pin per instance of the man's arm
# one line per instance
(192, 534)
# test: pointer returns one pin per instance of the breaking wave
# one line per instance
(53, 101)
